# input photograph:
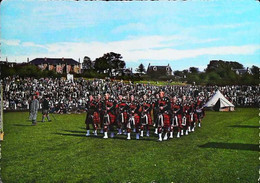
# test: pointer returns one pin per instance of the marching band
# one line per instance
(129, 113)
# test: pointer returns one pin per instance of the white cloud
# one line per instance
(13, 42)
(135, 49)
(225, 26)
(31, 44)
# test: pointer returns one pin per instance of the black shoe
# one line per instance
(49, 121)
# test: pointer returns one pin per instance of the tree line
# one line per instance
(111, 64)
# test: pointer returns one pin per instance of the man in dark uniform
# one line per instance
(146, 120)
(100, 112)
(45, 109)
(109, 117)
(199, 110)
(155, 113)
(186, 116)
(175, 122)
(121, 113)
(90, 107)
(163, 116)
(134, 117)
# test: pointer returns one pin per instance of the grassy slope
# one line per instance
(160, 83)
(60, 152)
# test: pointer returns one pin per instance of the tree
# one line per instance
(178, 73)
(193, 70)
(101, 64)
(115, 60)
(213, 78)
(141, 69)
(87, 63)
(216, 65)
(255, 70)
(109, 61)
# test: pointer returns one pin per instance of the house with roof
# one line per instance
(242, 71)
(154, 70)
(59, 65)
(122, 72)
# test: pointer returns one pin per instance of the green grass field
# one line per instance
(225, 149)
(160, 83)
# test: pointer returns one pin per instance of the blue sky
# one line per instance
(181, 33)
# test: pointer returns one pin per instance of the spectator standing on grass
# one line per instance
(45, 109)
(34, 109)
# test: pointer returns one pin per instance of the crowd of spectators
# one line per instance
(68, 96)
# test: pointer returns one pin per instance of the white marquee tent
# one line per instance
(219, 103)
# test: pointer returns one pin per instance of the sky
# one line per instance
(180, 33)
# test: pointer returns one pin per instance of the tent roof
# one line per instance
(218, 96)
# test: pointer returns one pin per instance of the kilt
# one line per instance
(96, 118)
(180, 120)
(174, 122)
(195, 117)
(137, 119)
(125, 116)
(45, 111)
(149, 119)
(149, 122)
(166, 120)
(188, 117)
(112, 117)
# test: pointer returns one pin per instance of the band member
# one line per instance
(45, 109)
(176, 117)
(34, 109)
(109, 117)
(100, 112)
(163, 116)
(185, 116)
(146, 120)
(192, 116)
(92, 116)
(134, 118)
(121, 112)
(155, 112)
(199, 112)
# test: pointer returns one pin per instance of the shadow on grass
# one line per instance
(75, 131)
(244, 126)
(236, 146)
(152, 135)
(117, 137)
(76, 135)
(22, 124)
